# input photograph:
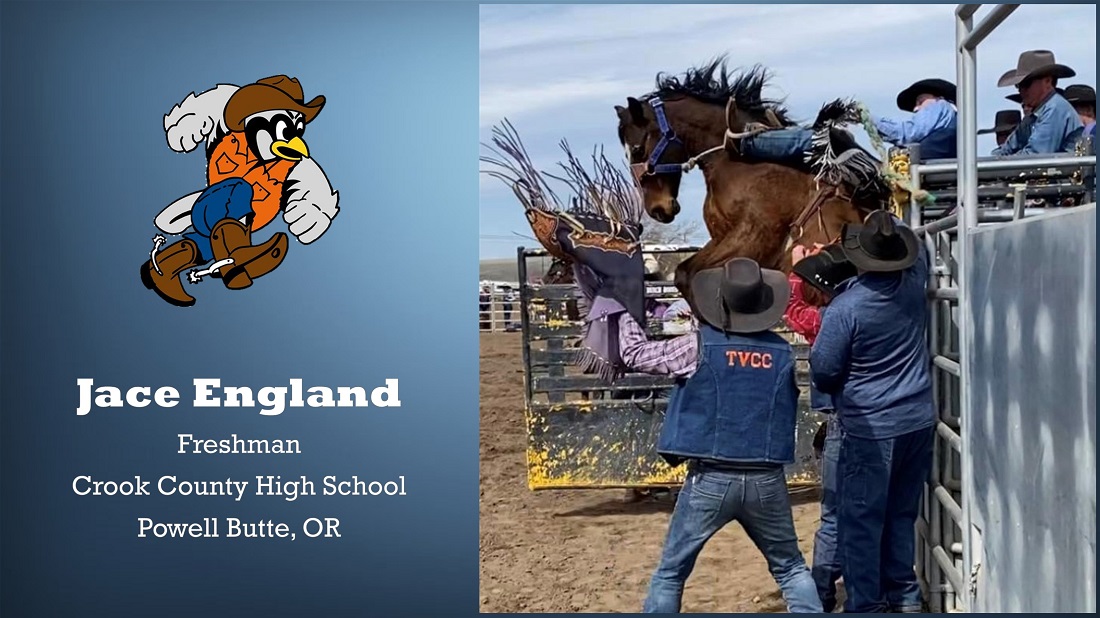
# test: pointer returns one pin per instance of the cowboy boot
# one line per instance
(164, 277)
(231, 240)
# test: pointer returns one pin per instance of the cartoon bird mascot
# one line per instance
(257, 165)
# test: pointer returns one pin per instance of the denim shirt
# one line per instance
(740, 406)
(1054, 127)
(871, 353)
(933, 127)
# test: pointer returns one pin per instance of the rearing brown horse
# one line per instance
(752, 208)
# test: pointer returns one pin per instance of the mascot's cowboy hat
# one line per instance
(1005, 121)
(270, 93)
(826, 269)
(907, 99)
(880, 244)
(740, 297)
(1033, 64)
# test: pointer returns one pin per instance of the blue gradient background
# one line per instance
(382, 295)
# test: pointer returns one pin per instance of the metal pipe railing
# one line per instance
(996, 16)
(966, 11)
(1021, 163)
(947, 365)
(966, 66)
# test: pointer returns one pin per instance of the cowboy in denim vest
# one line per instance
(732, 418)
(824, 268)
(871, 355)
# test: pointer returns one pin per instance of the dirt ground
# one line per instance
(591, 550)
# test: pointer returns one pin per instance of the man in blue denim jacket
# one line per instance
(933, 126)
(1052, 125)
(732, 418)
(871, 355)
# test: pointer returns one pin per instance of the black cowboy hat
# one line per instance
(1080, 93)
(1016, 98)
(907, 99)
(740, 297)
(826, 270)
(1006, 120)
(1032, 64)
(880, 244)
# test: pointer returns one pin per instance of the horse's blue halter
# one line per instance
(668, 136)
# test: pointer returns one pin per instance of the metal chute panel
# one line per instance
(1033, 418)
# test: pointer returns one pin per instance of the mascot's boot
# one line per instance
(164, 277)
(230, 239)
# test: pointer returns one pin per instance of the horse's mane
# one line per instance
(713, 83)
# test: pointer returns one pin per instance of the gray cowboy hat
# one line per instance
(907, 99)
(1006, 120)
(1032, 64)
(740, 297)
(1080, 93)
(880, 244)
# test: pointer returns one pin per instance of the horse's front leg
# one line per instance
(709, 256)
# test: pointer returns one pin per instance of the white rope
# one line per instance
(755, 129)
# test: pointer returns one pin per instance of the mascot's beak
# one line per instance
(294, 150)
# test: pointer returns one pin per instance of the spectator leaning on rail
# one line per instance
(824, 268)
(872, 357)
(1004, 124)
(932, 126)
(1083, 100)
(1054, 125)
(732, 417)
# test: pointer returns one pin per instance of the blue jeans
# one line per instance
(779, 144)
(712, 498)
(228, 199)
(880, 492)
(826, 565)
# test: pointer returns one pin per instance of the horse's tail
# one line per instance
(837, 112)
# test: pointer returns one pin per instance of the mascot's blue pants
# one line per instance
(228, 199)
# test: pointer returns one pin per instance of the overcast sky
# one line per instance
(556, 71)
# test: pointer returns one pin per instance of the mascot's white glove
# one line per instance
(195, 119)
(311, 202)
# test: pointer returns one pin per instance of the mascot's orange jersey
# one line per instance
(232, 159)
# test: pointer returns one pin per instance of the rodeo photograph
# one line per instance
(787, 308)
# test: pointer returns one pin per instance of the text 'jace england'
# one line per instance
(209, 393)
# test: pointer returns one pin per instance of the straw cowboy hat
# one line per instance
(270, 93)
(739, 296)
(826, 269)
(880, 244)
(907, 99)
(1032, 64)
(1006, 120)
(1080, 93)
